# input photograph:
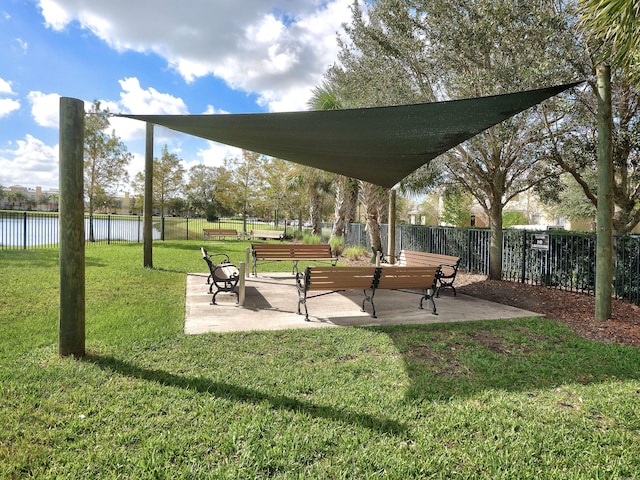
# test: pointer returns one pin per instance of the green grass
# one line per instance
(504, 399)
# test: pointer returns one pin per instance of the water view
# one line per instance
(19, 230)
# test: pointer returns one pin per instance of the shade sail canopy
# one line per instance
(380, 145)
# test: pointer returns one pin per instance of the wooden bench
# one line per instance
(331, 279)
(277, 252)
(224, 275)
(210, 233)
(403, 278)
(447, 266)
(368, 279)
(267, 234)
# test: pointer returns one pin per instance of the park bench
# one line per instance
(294, 252)
(447, 266)
(210, 233)
(224, 275)
(402, 279)
(267, 234)
(329, 280)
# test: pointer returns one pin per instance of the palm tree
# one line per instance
(615, 24)
(324, 97)
(316, 182)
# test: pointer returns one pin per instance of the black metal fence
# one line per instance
(25, 230)
(556, 259)
(552, 258)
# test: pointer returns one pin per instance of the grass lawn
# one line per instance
(505, 399)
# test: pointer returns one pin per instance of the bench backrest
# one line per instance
(339, 278)
(267, 233)
(413, 258)
(220, 231)
(297, 251)
(406, 277)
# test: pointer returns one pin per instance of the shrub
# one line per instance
(356, 252)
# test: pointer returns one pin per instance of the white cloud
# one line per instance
(45, 108)
(8, 105)
(135, 99)
(278, 49)
(31, 162)
(215, 153)
(5, 87)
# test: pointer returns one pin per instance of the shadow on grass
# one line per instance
(243, 394)
(464, 359)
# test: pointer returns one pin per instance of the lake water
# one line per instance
(17, 231)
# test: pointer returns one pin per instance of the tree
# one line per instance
(325, 97)
(457, 205)
(316, 183)
(168, 177)
(405, 51)
(575, 141)
(210, 191)
(105, 161)
(615, 25)
(247, 176)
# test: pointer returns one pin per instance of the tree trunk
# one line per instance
(495, 244)
(370, 198)
(340, 211)
(604, 242)
(314, 211)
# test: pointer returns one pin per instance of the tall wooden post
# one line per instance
(71, 340)
(604, 225)
(391, 240)
(147, 228)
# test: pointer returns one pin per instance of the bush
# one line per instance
(337, 244)
(356, 253)
(311, 239)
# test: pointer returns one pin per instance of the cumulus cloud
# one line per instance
(30, 162)
(45, 108)
(277, 49)
(8, 105)
(5, 87)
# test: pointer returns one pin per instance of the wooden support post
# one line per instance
(147, 228)
(391, 240)
(71, 225)
(604, 224)
(241, 283)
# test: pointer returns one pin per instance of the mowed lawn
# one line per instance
(500, 399)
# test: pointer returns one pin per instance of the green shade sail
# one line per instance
(380, 145)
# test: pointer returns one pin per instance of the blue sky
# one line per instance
(153, 57)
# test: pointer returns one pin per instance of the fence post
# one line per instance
(187, 227)
(109, 229)
(524, 257)
(24, 230)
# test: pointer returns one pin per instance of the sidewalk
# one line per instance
(271, 302)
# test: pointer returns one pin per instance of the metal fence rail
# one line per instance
(26, 230)
(555, 259)
(565, 260)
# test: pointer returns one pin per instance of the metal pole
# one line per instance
(147, 228)
(604, 226)
(71, 224)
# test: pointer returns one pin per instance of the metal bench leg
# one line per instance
(369, 298)
(428, 296)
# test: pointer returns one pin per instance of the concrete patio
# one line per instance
(271, 302)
